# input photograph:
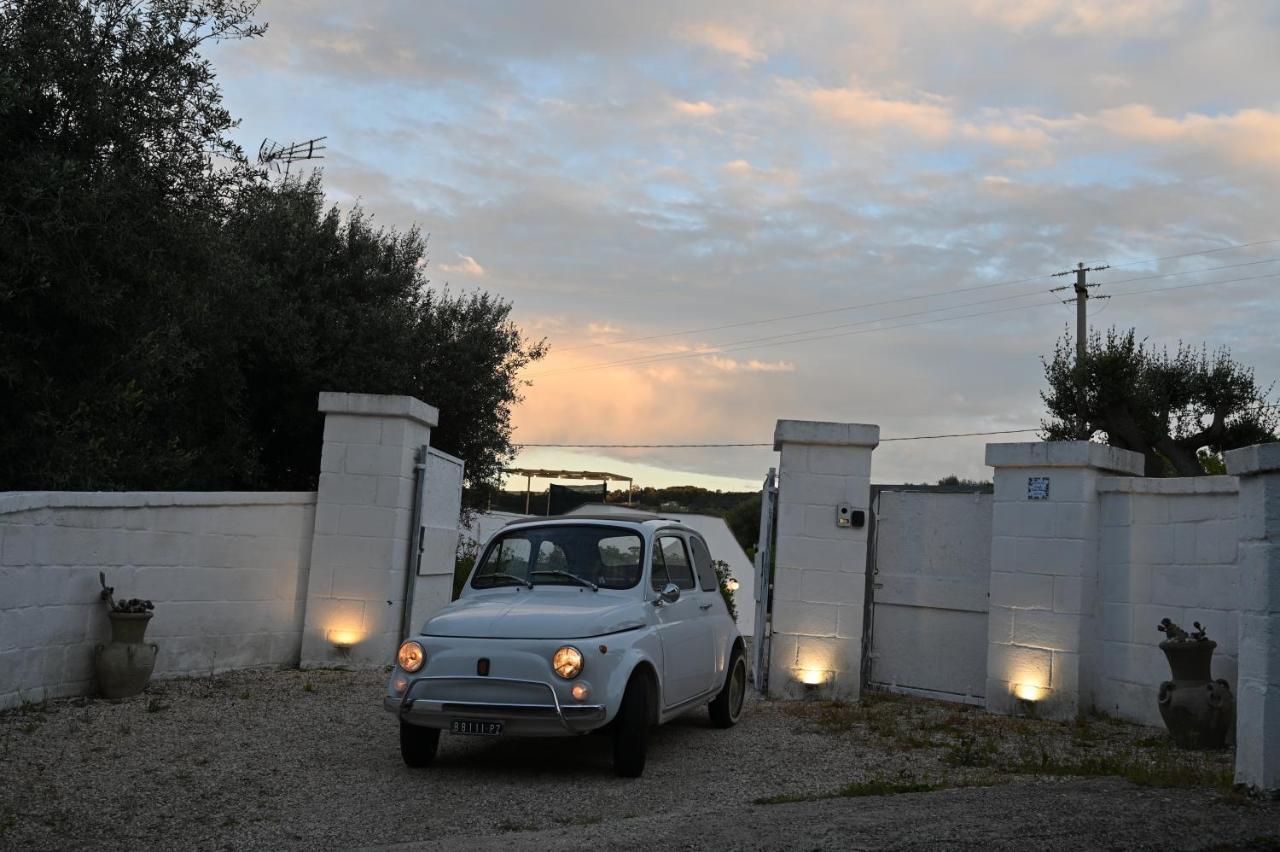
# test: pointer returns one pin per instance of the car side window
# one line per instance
(702, 562)
(676, 560)
(659, 578)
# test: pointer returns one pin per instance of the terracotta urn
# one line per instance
(1198, 710)
(124, 664)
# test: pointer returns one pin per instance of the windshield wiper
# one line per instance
(502, 575)
(558, 573)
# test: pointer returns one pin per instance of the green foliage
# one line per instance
(465, 560)
(722, 575)
(167, 316)
(744, 522)
(1169, 407)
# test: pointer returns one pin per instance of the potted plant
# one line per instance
(1198, 711)
(124, 664)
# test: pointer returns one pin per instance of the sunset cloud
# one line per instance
(466, 265)
(725, 40)
(733, 206)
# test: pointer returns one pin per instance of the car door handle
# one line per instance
(706, 605)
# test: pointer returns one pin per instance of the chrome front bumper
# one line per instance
(518, 718)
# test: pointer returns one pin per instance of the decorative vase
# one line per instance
(124, 664)
(1197, 710)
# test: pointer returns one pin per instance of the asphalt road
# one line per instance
(1075, 814)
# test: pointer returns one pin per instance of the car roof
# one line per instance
(637, 519)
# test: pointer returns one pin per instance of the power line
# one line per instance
(1196, 253)
(1197, 284)
(883, 302)
(764, 342)
(734, 345)
(1195, 271)
(769, 444)
(806, 314)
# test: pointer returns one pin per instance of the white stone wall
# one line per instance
(820, 574)
(1258, 689)
(238, 579)
(1167, 550)
(356, 590)
(226, 571)
(1044, 573)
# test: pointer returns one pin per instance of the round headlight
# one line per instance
(411, 657)
(567, 662)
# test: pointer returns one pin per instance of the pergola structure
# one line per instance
(530, 473)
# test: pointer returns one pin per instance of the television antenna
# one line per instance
(271, 153)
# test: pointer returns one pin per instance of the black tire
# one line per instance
(726, 708)
(631, 729)
(418, 745)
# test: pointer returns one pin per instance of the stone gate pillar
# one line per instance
(824, 485)
(1258, 680)
(1044, 572)
(359, 550)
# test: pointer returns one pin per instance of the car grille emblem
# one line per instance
(482, 666)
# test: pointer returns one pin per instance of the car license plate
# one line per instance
(475, 728)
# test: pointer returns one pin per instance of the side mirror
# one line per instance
(670, 593)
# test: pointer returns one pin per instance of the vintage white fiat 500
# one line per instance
(570, 625)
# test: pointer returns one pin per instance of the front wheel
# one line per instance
(418, 745)
(726, 708)
(631, 730)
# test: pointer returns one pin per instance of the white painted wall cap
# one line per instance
(379, 405)
(1260, 458)
(1170, 485)
(825, 434)
(1065, 454)
(25, 501)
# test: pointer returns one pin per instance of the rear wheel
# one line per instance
(418, 745)
(631, 730)
(726, 708)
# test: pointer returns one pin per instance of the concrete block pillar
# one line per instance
(1258, 680)
(359, 550)
(821, 566)
(1044, 573)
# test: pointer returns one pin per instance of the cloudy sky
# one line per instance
(796, 210)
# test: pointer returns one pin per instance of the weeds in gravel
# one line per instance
(1144, 770)
(307, 687)
(964, 737)
(971, 750)
(875, 787)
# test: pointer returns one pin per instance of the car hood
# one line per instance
(540, 613)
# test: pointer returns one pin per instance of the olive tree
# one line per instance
(1179, 409)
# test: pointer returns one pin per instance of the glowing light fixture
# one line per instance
(1028, 692)
(581, 692)
(343, 639)
(813, 677)
(731, 584)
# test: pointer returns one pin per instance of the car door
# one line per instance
(688, 659)
(716, 612)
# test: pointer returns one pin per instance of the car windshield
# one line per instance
(562, 555)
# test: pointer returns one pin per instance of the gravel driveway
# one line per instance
(289, 759)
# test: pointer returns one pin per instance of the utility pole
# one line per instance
(1082, 304)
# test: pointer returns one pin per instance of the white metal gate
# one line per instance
(931, 557)
(764, 580)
